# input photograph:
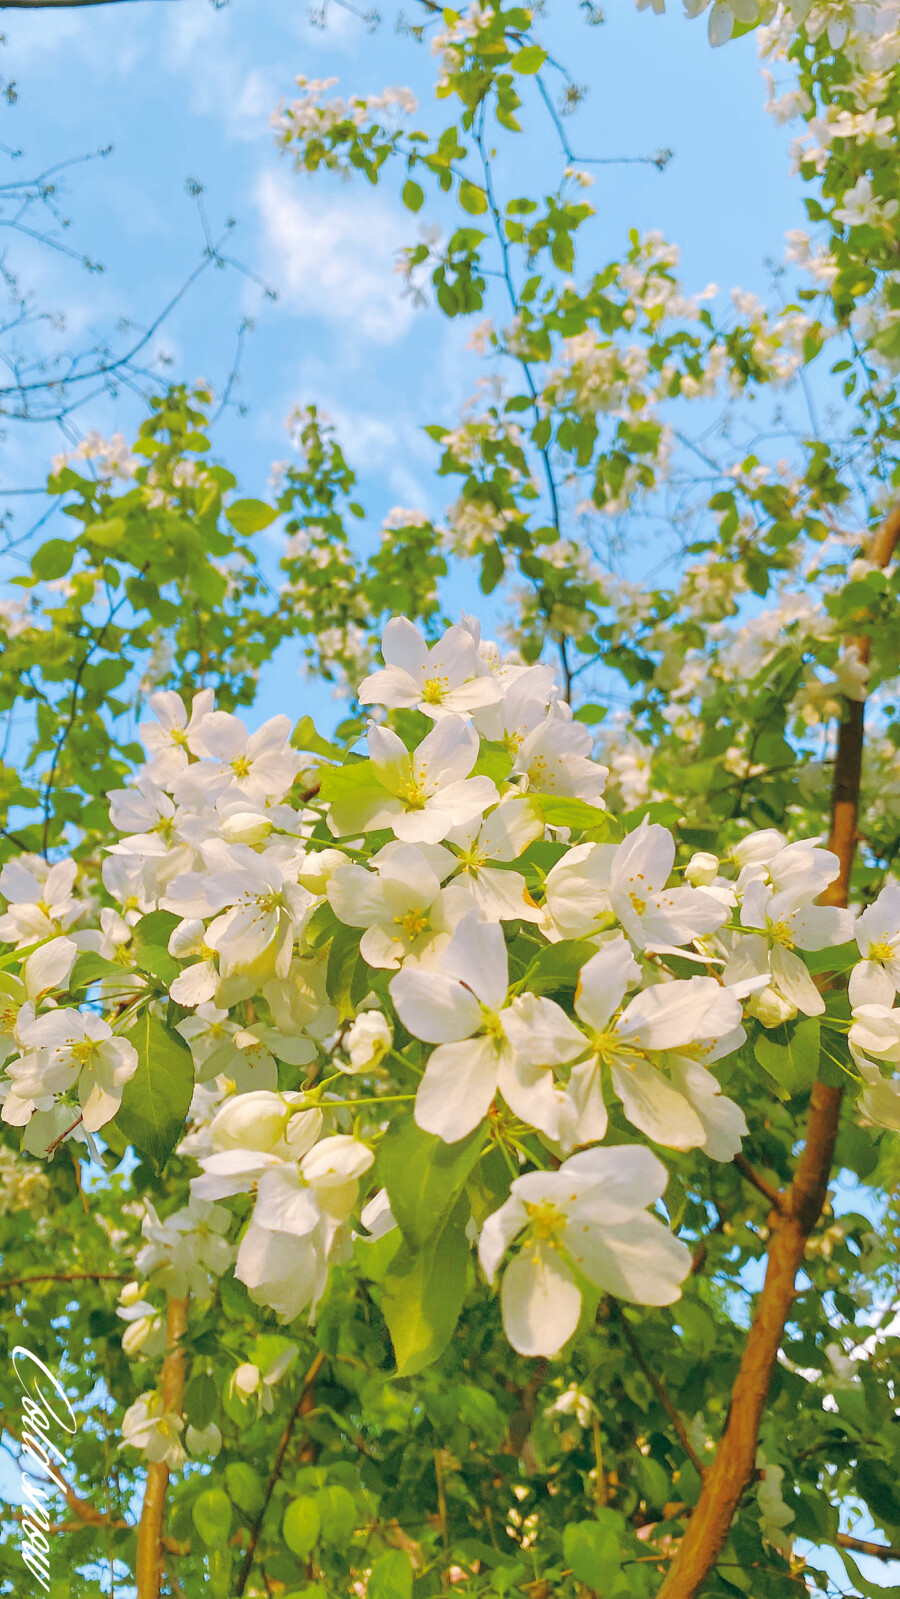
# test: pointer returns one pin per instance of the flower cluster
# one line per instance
(453, 920)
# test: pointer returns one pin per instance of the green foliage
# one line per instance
(156, 1099)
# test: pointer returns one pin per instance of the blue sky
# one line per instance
(184, 91)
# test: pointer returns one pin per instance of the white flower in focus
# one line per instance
(876, 979)
(69, 1047)
(260, 765)
(786, 923)
(556, 759)
(590, 1215)
(443, 679)
(40, 902)
(694, 1018)
(595, 883)
(49, 967)
(197, 983)
(168, 738)
(256, 932)
(497, 895)
(426, 792)
(399, 903)
(483, 1043)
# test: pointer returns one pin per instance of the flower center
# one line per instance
(82, 1050)
(782, 933)
(433, 690)
(491, 1027)
(882, 951)
(472, 859)
(178, 736)
(546, 1221)
(413, 923)
(241, 766)
(412, 792)
(640, 905)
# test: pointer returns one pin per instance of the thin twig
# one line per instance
(66, 1277)
(660, 1393)
(275, 1473)
(773, 1195)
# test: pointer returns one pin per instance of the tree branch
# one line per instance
(66, 1277)
(775, 1198)
(660, 1392)
(275, 1473)
(862, 1546)
(801, 1207)
(47, 5)
(150, 1529)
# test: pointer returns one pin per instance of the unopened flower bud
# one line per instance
(769, 1008)
(250, 1121)
(701, 869)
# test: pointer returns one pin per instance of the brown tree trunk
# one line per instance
(153, 1510)
(731, 1471)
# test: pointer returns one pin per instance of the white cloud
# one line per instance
(334, 259)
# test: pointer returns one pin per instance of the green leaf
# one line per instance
(561, 812)
(156, 1100)
(92, 968)
(559, 965)
(529, 60)
(245, 1487)
(492, 568)
(339, 781)
(155, 960)
(108, 534)
(212, 1517)
(336, 1508)
(301, 1526)
(412, 195)
(423, 1295)
(250, 516)
(200, 1401)
(391, 1577)
(472, 199)
(593, 1550)
(424, 1176)
(154, 929)
(790, 1054)
(494, 761)
(305, 737)
(53, 559)
(347, 978)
